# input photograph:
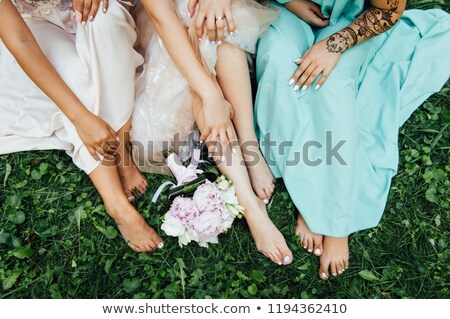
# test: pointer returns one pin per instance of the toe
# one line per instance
(346, 264)
(268, 192)
(275, 258)
(287, 256)
(323, 270)
(340, 267)
(310, 245)
(318, 248)
(333, 268)
(261, 194)
(305, 242)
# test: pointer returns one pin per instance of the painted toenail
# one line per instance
(279, 263)
(317, 251)
(131, 198)
(334, 274)
(266, 201)
(304, 247)
(340, 272)
(323, 275)
(309, 250)
(287, 259)
(160, 245)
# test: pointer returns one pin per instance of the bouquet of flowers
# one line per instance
(202, 208)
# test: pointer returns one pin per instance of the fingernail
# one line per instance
(304, 87)
(291, 81)
(117, 139)
(298, 60)
(296, 88)
(234, 150)
(160, 245)
(73, 14)
(317, 86)
(83, 23)
(91, 18)
(213, 42)
(200, 39)
(223, 158)
(231, 34)
(201, 142)
(219, 42)
(323, 275)
(104, 10)
(287, 259)
(326, 17)
(189, 15)
(317, 251)
(209, 154)
(266, 201)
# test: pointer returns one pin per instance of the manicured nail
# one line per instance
(219, 42)
(213, 42)
(231, 34)
(296, 88)
(210, 155)
(160, 245)
(317, 251)
(291, 81)
(287, 259)
(326, 17)
(117, 139)
(266, 201)
(317, 86)
(234, 150)
(201, 142)
(83, 23)
(223, 158)
(304, 87)
(298, 60)
(91, 18)
(104, 10)
(323, 275)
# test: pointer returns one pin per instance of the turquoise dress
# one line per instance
(337, 147)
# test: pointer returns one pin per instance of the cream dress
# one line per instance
(162, 118)
(98, 63)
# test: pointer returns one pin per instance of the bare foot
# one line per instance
(269, 241)
(261, 177)
(133, 182)
(310, 241)
(335, 257)
(137, 233)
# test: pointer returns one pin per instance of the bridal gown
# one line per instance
(372, 91)
(162, 118)
(98, 63)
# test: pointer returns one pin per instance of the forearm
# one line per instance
(20, 42)
(381, 16)
(178, 44)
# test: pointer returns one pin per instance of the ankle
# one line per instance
(118, 208)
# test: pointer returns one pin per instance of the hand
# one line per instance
(97, 136)
(309, 12)
(87, 9)
(214, 122)
(317, 60)
(217, 14)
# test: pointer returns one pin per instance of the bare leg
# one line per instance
(234, 80)
(310, 241)
(334, 257)
(269, 241)
(133, 182)
(138, 234)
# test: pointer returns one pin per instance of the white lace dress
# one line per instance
(98, 63)
(162, 117)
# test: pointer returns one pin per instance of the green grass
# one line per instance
(56, 240)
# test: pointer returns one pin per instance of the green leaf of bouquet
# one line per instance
(368, 275)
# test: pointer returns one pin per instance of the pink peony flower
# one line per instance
(207, 197)
(209, 225)
(185, 210)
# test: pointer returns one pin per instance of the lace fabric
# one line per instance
(40, 8)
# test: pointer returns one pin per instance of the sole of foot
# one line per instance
(335, 257)
(312, 243)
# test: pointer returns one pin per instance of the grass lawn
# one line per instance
(56, 240)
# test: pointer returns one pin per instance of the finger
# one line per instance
(211, 27)
(86, 9)
(191, 7)
(94, 10)
(234, 143)
(224, 144)
(230, 21)
(220, 24)
(212, 143)
(78, 9)
(93, 154)
(99, 150)
(105, 6)
(113, 134)
(318, 12)
(322, 79)
(205, 134)
(301, 83)
(199, 23)
(300, 70)
(303, 57)
(313, 77)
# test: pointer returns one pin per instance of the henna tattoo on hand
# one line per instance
(370, 23)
